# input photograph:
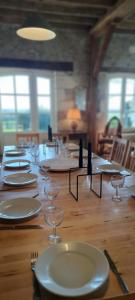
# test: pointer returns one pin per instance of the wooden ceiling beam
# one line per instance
(52, 11)
(119, 12)
(102, 4)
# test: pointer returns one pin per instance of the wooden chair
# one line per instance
(25, 138)
(118, 152)
(129, 162)
(105, 140)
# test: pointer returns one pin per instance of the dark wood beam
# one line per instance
(102, 50)
(119, 13)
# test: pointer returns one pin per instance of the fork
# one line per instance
(36, 295)
(34, 256)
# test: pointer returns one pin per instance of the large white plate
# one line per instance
(19, 179)
(110, 168)
(60, 164)
(72, 269)
(17, 163)
(14, 152)
(131, 190)
(19, 208)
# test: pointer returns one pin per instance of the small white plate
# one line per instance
(14, 152)
(19, 208)
(131, 190)
(72, 146)
(110, 168)
(19, 179)
(51, 144)
(17, 163)
(60, 164)
(72, 269)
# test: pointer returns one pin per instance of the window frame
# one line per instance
(34, 116)
(124, 77)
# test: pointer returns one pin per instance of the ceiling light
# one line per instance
(36, 29)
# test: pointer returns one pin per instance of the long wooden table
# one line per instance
(98, 221)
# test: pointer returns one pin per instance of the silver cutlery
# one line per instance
(116, 272)
(34, 256)
(17, 227)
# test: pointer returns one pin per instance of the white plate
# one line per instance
(131, 190)
(19, 208)
(110, 168)
(19, 179)
(14, 152)
(72, 269)
(60, 164)
(17, 163)
(51, 144)
(72, 146)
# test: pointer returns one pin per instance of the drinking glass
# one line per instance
(117, 182)
(51, 193)
(35, 153)
(54, 216)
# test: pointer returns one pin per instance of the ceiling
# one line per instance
(91, 15)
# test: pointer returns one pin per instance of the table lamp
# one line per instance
(74, 115)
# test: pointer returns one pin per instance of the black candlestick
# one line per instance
(89, 167)
(81, 154)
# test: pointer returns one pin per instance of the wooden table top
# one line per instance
(98, 221)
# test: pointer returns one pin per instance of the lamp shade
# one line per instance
(74, 114)
(36, 29)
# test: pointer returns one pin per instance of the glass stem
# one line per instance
(116, 191)
(54, 230)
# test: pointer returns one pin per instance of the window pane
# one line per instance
(43, 86)
(23, 121)
(22, 84)
(23, 103)
(6, 85)
(8, 123)
(129, 120)
(129, 98)
(115, 86)
(7, 104)
(44, 112)
(114, 103)
(130, 86)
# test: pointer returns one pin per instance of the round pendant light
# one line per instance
(36, 29)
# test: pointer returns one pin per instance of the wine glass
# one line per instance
(35, 153)
(54, 216)
(117, 181)
(51, 193)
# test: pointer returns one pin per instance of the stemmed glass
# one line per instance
(51, 193)
(54, 216)
(117, 182)
(35, 153)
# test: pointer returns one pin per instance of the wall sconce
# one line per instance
(74, 115)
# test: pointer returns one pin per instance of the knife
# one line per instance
(17, 227)
(116, 272)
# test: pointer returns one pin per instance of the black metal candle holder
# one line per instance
(91, 182)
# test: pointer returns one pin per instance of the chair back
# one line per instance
(113, 127)
(25, 138)
(118, 152)
(130, 157)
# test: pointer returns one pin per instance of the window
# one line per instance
(121, 99)
(25, 101)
